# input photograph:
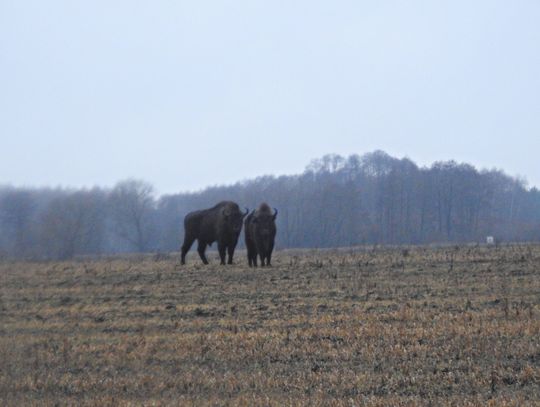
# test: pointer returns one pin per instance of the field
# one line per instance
(376, 327)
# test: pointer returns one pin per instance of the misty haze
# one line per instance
(337, 201)
(258, 203)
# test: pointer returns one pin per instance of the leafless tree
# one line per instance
(132, 204)
(17, 209)
(73, 224)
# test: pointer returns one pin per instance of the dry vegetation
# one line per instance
(417, 326)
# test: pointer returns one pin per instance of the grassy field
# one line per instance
(381, 327)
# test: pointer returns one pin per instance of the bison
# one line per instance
(221, 223)
(260, 232)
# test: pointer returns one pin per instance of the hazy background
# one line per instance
(197, 93)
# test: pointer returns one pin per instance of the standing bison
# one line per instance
(221, 223)
(260, 230)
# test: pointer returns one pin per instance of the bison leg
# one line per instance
(250, 263)
(251, 254)
(201, 249)
(269, 256)
(230, 252)
(255, 260)
(188, 242)
(221, 250)
(252, 257)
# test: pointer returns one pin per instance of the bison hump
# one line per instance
(224, 204)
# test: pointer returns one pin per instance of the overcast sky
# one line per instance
(186, 94)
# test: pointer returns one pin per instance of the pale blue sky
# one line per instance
(190, 94)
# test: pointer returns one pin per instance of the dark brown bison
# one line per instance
(260, 230)
(221, 223)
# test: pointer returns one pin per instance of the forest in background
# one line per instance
(336, 202)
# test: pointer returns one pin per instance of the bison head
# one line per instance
(234, 219)
(265, 222)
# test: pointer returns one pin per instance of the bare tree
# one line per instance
(132, 204)
(72, 225)
(17, 208)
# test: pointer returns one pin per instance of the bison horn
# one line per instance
(275, 214)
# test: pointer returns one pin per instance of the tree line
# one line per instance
(337, 201)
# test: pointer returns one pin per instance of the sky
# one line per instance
(189, 94)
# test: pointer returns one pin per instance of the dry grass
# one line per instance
(421, 326)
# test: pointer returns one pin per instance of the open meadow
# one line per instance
(376, 327)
